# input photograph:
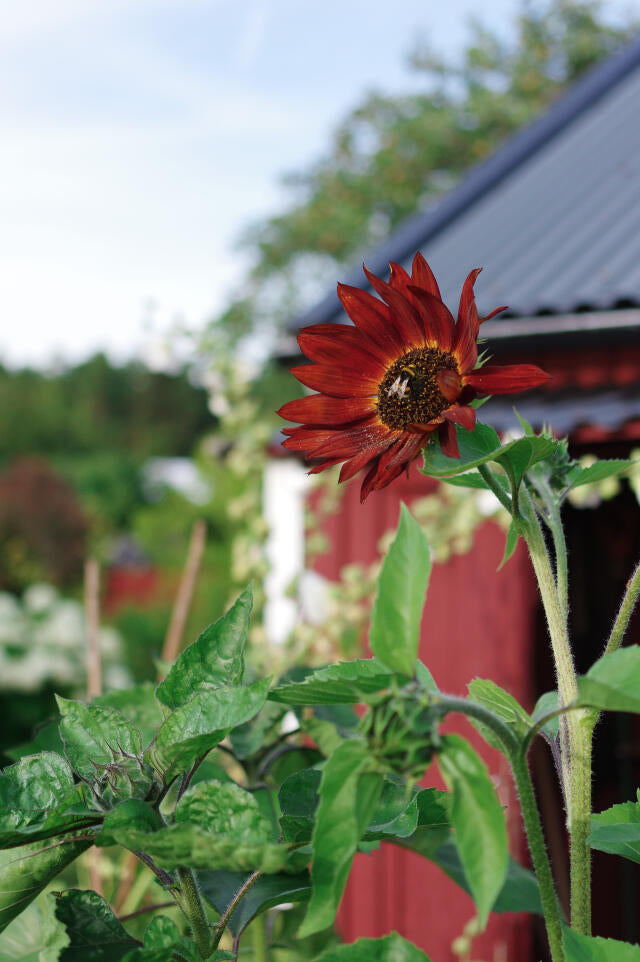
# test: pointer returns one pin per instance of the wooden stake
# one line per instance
(175, 631)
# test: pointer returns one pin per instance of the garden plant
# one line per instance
(242, 793)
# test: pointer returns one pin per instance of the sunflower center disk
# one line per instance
(409, 392)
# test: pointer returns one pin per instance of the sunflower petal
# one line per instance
(467, 296)
(331, 347)
(402, 314)
(493, 313)
(320, 410)
(506, 379)
(360, 460)
(436, 317)
(336, 381)
(372, 318)
(459, 414)
(352, 438)
(422, 276)
(448, 440)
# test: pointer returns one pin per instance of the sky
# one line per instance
(141, 137)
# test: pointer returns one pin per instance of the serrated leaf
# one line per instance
(223, 808)
(485, 692)
(613, 682)
(521, 455)
(26, 871)
(196, 727)
(219, 888)
(38, 799)
(478, 821)
(394, 634)
(585, 948)
(132, 813)
(348, 797)
(162, 939)
(599, 471)
(139, 706)
(347, 683)
(214, 660)
(95, 934)
(617, 830)
(257, 734)
(390, 948)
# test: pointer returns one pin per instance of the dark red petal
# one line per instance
(332, 347)
(448, 440)
(422, 276)
(372, 318)
(306, 439)
(367, 484)
(352, 438)
(320, 410)
(360, 460)
(464, 415)
(336, 381)
(497, 310)
(436, 317)
(317, 468)
(507, 379)
(398, 277)
(402, 314)
(466, 296)
(466, 347)
(401, 455)
(450, 384)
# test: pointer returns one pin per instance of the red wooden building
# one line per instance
(554, 218)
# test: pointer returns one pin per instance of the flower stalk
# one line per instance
(189, 900)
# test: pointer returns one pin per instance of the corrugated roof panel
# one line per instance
(563, 230)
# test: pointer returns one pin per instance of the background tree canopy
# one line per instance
(393, 154)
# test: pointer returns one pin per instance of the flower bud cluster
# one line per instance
(401, 729)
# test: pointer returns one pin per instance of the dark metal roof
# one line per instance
(553, 216)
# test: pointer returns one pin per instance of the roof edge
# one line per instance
(420, 227)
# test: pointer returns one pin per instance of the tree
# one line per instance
(394, 154)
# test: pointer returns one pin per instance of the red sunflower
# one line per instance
(405, 370)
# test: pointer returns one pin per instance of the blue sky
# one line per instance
(139, 138)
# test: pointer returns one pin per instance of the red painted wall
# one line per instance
(476, 624)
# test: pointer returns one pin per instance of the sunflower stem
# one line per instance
(576, 728)
(490, 480)
(624, 615)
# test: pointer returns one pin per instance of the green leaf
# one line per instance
(510, 544)
(34, 936)
(161, 939)
(95, 934)
(322, 733)
(38, 799)
(394, 635)
(130, 814)
(347, 683)
(478, 821)
(26, 871)
(519, 893)
(191, 731)
(220, 887)
(476, 447)
(613, 682)
(472, 479)
(545, 705)
(585, 948)
(390, 948)
(599, 471)
(522, 454)
(348, 796)
(485, 692)
(215, 660)
(139, 706)
(104, 748)
(217, 825)
(47, 739)
(259, 733)
(617, 830)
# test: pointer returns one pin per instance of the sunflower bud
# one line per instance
(401, 729)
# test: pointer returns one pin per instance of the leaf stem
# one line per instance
(624, 615)
(189, 900)
(500, 493)
(232, 906)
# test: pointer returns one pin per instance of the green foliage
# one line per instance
(402, 586)
(613, 682)
(220, 887)
(617, 830)
(391, 948)
(503, 705)
(95, 935)
(348, 796)
(346, 683)
(584, 948)
(478, 822)
(214, 660)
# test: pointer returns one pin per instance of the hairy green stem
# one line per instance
(576, 730)
(189, 900)
(490, 480)
(233, 904)
(554, 522)
(529, 808)
(624, 615)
